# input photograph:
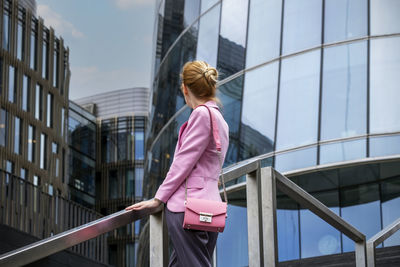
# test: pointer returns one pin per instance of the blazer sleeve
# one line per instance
(193, 145)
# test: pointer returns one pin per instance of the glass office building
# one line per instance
(311, 87)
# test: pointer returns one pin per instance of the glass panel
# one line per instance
(191, 12)
(26, 93)
(6, 30)
(49, 110)
(206, 4)
(296, 159)
(383, 146)
(43, 151)
(113, 184)
(39, 102)
(344, 95)
(232, 39)
(50, 190)
(317, 236)
(139, 145)
(259, 110)
(384, 81)
(3, 127)
(138, 182)
(264, 33)
(33, 56)
(82, 171)
(345, 19)
(17, 136)
(390, 207)
(343, 151)
(54, 148)
(385, 16)
(82, 133)
(301, 25)
(361, 208)
(44, 56)
(137, 227)
(20, 40)
(23, 173)
(11, 84)
(298, 100)
(232, 246)
(62, 121)
(130, 182)
(287, 214)
(230, 95)
(55, 64)
(207, 46)
(122, 138)
(31, 143)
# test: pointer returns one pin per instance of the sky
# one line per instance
(110, 42)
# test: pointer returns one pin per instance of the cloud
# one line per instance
(90, 80)
(127, 4)
(57, 22)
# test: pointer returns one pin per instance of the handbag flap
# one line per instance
(208, 206)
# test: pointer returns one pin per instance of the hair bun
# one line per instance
(211, 75)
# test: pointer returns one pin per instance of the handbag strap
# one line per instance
(217, 140)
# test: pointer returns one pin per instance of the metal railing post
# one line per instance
(253, 220)
(361, 254)
(158, 240)
(370, 254)
(268, 217)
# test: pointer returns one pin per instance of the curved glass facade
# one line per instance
(304, 83)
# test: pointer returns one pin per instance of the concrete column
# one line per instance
(158, 240)
(253, 220)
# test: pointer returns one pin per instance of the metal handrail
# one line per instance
(378, 238)
(64, 240)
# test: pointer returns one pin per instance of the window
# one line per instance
(21, 35)
(138, 182)
(45, 51)
(43, 151)
(49, 110)
(3, 127)
(139, 145)
(31, 143)
(39, 102)
(33, 56)
(17, 136)
(113, 184)
(129, 184)
(385, 16)
(56, 63)
(12, 88)
(25, 93)
(62, 121)
(23, 173)
(6, 26)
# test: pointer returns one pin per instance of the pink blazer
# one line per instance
(196, 158)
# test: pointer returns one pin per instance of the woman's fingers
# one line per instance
(144, 204)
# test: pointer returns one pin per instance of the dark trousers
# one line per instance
(190, 247)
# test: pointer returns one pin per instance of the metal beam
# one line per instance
(240, 169)
(308, 201)
(64, 240)
(253, 220)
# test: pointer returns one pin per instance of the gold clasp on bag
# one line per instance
(206, 217)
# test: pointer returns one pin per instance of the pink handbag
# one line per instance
(202, 214)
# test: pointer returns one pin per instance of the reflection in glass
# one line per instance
(343, 151)
(20, 40)
(190, 12)
(301, 25)
(43, 151)
(82, 172)
(207, 45)
(384, 146)
(345, 19)
(12, 87)
(206, 4)
(45, 56)
(138, 182)
(361, 208)
(317, 236)
(33, 56)
(232, 246)
(31, 143)
(26, 93)
(384, 81)
(298, 100)
(258, 112)
(344, 93)
(390, 207)
(264, 33)
(17, 135)
(296, 159)
(82, 133)
(3, 127)
(287, 214)
(6, 29)
(230, 95)
(232, 39)
(139, 145)
(385, 16)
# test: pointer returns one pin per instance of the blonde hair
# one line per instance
(201, 79)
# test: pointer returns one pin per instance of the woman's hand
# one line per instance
(148, 204)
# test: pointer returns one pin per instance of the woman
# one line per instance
(196, 159)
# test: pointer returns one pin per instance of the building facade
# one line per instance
(310, 87)
(121, 124)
